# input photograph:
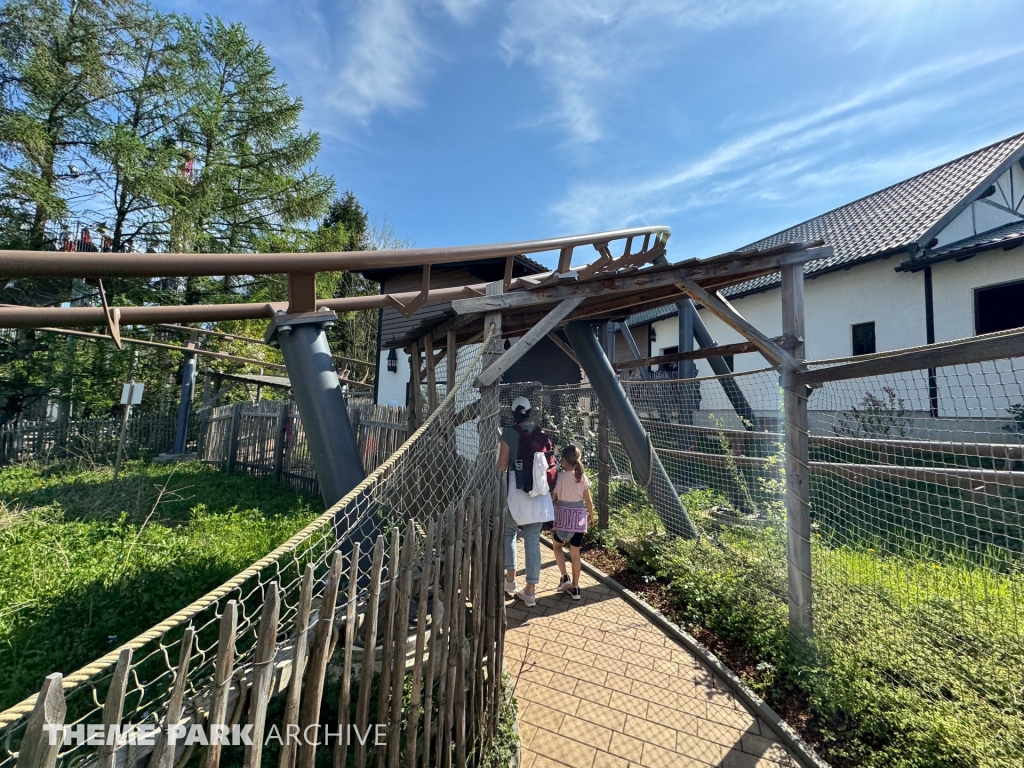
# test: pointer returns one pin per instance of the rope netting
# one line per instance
(917, 507)
(431, 509)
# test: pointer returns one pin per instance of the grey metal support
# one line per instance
(188, 384)
(798, 473)
(645, 373)
(317, 392)
(628, 428)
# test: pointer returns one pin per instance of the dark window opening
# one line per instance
(999, 308)
(669, 367)
(864, 339)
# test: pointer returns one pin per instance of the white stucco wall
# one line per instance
(953, 285)
(392, 386)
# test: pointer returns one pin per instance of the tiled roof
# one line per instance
(1002, 235)
(893, 218)
(651, 315)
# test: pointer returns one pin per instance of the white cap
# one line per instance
(520, 402)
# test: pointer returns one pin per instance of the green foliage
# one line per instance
(506, 743)
(1016, 412)
(87, 563)
(876, 416)
(908, 666)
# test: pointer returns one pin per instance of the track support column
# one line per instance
(631, 433)
(317, 392)
(188, 384)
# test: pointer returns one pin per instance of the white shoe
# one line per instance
(529, 598)
(510, 587)
(564, 585)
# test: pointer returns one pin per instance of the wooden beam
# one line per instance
(697, 354)
(721, 308)
(453, 358)
(493, 372)
(428, 348)
(645, 279)
(955, 353)
(563, 346)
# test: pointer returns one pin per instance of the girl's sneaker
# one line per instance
(529, 598)
(510, 587)
(574, 592)
(564, 584)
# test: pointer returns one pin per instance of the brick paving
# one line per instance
(599, 686)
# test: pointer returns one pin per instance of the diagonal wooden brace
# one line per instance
(721, 308)
(551, 320)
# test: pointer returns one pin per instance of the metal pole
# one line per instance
(631, 433)
(317, 392)
(798, 485)
(188, 382)
(124, 428)
(604, 473)
(645, 373)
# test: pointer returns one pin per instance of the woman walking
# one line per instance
(528, 507)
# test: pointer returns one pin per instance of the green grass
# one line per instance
(917, 662)
(87, 563)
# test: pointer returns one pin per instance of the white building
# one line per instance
(937, 257)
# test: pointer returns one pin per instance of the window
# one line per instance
(999, 307)
(864, 339)
(669, 367)
(730, 360)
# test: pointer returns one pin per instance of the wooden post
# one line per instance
(453, 361)
(319, 654)
(400, 609)
(428, 349)
(345, 697)
(300, 644)
(236, 425)
(222, 679)
(798, 485)
(113, 706)
(417, 669)
(413, 403)
(369, 650)
(384, 681)
(263, 673)
(163, 752)
(280, 439)
(38, 748)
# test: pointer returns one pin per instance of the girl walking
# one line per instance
(574, 511)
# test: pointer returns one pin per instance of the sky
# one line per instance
(479, 121)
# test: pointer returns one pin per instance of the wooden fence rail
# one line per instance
(93, 439)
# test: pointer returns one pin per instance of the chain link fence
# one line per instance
(917, 504)
(407, 564)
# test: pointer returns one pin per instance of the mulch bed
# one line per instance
(742, 660)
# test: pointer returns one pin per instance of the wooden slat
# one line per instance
(646, 279)
(263, 673)
(719, 306)
(957, 353)
(36, 750)
(401, 612)
(319, 653)
(345, 697)
(434, 646)
(447, 681)
(369, 648)
(697, 354)
(415, 693)
(384, 681)
(494, 371)
(163, 752)
(300, 643)
(113, 706)
(222, 676)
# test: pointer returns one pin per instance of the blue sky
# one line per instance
(474, 121)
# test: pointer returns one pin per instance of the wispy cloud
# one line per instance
(585, 49)
(787, 153)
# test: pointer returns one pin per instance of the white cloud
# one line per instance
(463, 11)
(778, 158)
(584, 49)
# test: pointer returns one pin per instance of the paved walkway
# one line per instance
(599, 686)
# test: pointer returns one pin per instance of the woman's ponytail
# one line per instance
(572, 455)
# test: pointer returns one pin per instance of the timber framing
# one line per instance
(697, 354)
